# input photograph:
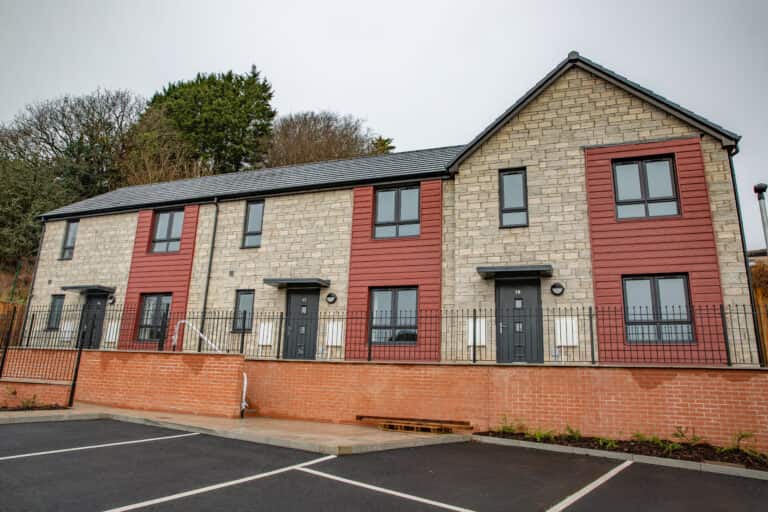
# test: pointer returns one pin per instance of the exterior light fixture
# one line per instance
(330, 298)
(557, 289)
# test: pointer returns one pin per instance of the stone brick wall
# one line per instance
(303, 235)
(547, 138)
(102, 256)
(609, 402)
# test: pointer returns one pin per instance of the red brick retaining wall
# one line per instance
(203, 384)
(15, 393)
(610, 402)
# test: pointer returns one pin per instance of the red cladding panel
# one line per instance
(158, 273)
(414, 261)
(683, 244)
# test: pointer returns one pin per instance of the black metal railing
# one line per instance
(718, 335)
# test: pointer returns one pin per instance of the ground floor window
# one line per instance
(394, 315)
(243, 320)
(657, 309)
(153, 316)
(54, 313)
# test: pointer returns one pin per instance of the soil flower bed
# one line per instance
(682, 449)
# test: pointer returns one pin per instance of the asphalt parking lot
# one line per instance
(110, 465)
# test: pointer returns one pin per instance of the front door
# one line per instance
(301, 324)
(518, 322)
(92, 321)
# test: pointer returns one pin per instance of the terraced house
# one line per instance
(593, 221)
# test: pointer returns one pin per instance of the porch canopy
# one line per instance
(297, 282)
(515, 271)
(89, 288)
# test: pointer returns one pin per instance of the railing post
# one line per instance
(725, 335)
(474, 335)
(279, 333)
(591, 334)
(367, 328)
(29, 332)
(75, 372)
(242, 332)
(7, 342)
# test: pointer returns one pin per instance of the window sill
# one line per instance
(241, 331)
(659, 343)
(250, 246)
(395, 237)
(391, 343)
(641, 219)
(63, 259)
(163, 253)
(502, 226)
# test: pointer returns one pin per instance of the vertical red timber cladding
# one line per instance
(415, 261)
(158, 273)
(683, 244)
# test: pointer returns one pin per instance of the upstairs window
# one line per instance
(513, 198)
(153, 318)
(167, 232)
(645, 188)
(54, 313)
(394, 315)
(70, 236)
(254, 217)
(656, 309)
(397, 212)
(243, 321)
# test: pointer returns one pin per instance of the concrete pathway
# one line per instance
(328, 438)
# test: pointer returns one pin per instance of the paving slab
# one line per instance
(327, 438)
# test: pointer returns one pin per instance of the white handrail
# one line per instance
(200, 334)
(243, 401)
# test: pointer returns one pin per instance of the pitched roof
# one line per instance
(574, 60)
(335, 173)
(355, 171)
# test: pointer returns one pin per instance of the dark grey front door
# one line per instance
(92, 321)
(301, 324)
(518, 322)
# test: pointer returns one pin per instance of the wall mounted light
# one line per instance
(557, 289)
(330, 298)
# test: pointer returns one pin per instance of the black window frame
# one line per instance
(656, 305)
(393, 325)
(168, 238)
(163, 327)
(397, 222)
(502, 210)
(68, 251)
(57, 305)
(643, 176)
(248, 324)
(246, 233)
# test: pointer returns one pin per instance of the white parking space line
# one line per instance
(215, 487)
(94, 446)
(386, 491)
(573, 498)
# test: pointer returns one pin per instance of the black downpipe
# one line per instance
(208, 272)
(758, 334)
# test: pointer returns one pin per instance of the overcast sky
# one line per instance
(425, 73)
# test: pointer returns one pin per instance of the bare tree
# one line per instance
(84, 136)
(316, 136)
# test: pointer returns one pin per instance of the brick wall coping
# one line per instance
(36, 381)
(613, 366)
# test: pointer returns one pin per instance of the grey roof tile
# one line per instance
(404, 165)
